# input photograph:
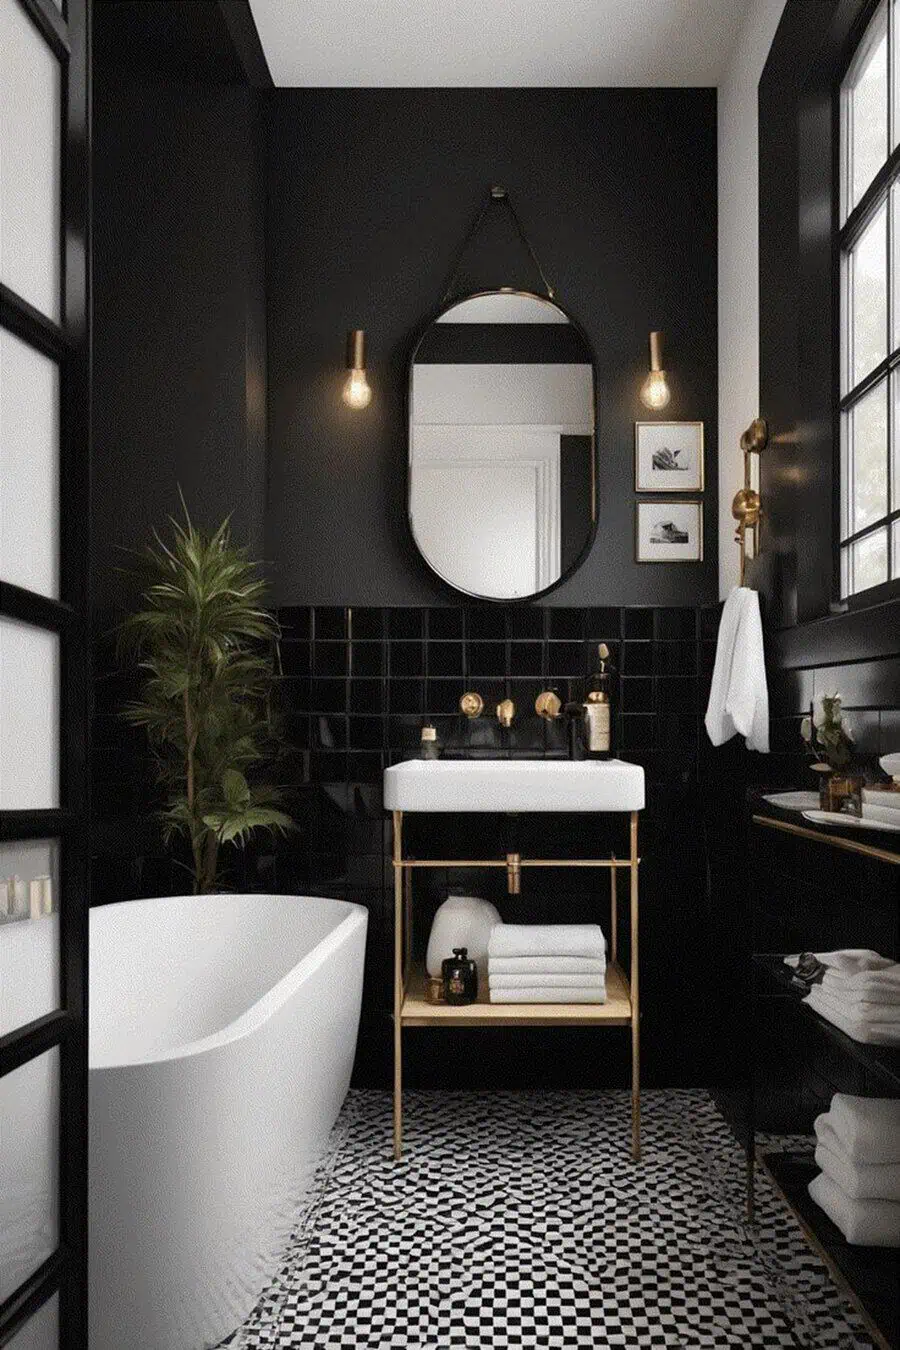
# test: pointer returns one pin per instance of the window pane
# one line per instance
(29, 931)
(40, 1332)
(30, 134)
(29, 1168)
(29, 721)
(865, 112)
(895, 550)
(867, 562)
(29, 467)
(895, 448)
(866, 287)
(865, 461)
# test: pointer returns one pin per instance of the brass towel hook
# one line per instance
(746, 507)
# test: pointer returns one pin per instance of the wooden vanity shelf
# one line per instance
(411, 1009)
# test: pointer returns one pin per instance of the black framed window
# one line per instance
(869, 249)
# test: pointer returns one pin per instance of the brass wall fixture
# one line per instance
(471, 704)
(506, 711)
(746, 507)
(548, 705)
(513, 874)
(357, 392)
(655, 392)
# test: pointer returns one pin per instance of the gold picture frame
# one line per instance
(649, 478)
(694, 542)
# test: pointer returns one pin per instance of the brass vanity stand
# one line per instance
(621, 1009)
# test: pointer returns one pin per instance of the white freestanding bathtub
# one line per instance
(222, 1036)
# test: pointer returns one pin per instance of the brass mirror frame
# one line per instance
(592, 533)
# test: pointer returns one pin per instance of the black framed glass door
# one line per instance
(44, 669)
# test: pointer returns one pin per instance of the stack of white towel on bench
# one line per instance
(860, 994)
(547, 963)
(858, 1150)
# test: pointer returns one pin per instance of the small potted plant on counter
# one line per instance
(205, 643)
(830, 739)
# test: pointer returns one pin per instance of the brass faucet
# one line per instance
(506, 711)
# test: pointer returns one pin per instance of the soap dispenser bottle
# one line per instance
(598, 708)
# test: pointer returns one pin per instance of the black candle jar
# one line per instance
(460, 978)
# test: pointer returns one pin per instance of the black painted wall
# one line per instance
(370, 194)
(179, 284)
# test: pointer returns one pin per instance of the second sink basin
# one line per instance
(514, 785)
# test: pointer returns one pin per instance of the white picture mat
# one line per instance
(684, 516)
(684, 440)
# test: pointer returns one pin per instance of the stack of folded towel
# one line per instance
(858, 1150)
(859, 992)
(550, 963)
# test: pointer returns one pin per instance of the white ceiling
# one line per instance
(489, 43)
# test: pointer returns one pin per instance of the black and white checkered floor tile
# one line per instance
(517, 1220)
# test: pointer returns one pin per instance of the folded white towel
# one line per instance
(555, 939)
(864, 1014)
(868, 986)
(547, 965)
(739, 696)
(861, 1181)
(536, 994)
(533, 979)
(864, 1223)
(867, 1128)
(850, 960)
(866, 1033)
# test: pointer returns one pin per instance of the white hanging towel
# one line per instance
(739, 697)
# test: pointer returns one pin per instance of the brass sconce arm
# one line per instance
(746, 507)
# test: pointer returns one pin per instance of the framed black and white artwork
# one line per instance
(668, 532)
(668, 456)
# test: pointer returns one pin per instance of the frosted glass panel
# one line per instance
(29, 716)
(29, 931)
(30, 134)
(29, 1168)
(29, 467)
(42, 1331)
(865, 111)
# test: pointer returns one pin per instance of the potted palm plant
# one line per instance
(205, 645)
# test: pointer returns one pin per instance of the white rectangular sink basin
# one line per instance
(514, 785)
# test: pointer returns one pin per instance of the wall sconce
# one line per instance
(655, 389)
(357, 392)
(746, 507)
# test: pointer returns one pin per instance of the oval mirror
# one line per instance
(502, 460)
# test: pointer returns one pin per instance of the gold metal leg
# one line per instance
(635, 1000)
(613, 914)
(398, 984)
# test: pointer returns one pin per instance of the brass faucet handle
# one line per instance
(548, 705)
(471, 704)
(506, 711)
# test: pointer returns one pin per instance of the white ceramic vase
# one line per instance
(462, 921)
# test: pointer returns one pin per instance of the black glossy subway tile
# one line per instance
(366, 624)
(445, 658)
(889, 731)
(566, 623)
(330, 658)
(295, 621)
(366, 733)
(485, 621)
(367, 658)
(328, 766)
(367, 696)
(677, 696)
(566, 659)
(525, 621)
(404, 733)
(638, 732)
(295, 657)
(407, 659)
(329, 732)
(637, 658)
(526, 658)
(442, 696)
(406, 623)
(328, 695)
(603, 623)
(866, 684)
(445, 622)
(637, 696)
(637, 623)
(405, 696)
(486, 658)
(675, 658)
(329, 621)
(709, 621)
(676, 623)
